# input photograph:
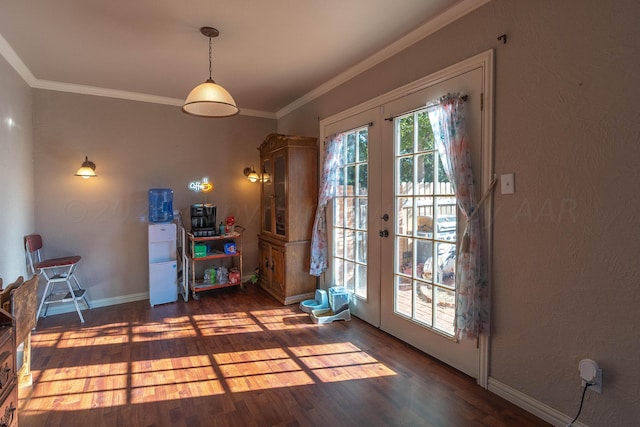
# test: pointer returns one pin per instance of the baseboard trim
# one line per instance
(529, 404)
(69, 307)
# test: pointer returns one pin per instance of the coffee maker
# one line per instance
(203, 220)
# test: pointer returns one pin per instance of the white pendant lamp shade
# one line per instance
(209, 99)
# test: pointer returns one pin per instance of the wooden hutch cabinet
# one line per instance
(288, 205)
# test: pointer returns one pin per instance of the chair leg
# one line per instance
(75, 300)
(84, 295)
(47, 291)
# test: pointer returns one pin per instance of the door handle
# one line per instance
(384, 233)
(385, 217)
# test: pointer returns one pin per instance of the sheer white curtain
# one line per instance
(333, 160)
(449, 129)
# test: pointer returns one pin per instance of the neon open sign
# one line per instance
(202, 186)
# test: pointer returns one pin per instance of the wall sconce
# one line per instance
(251, 174)
(87, 170)
(254, 176)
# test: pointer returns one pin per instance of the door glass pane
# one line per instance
(351, 148)
(361, 247)
(349, 212)
(426, 221)
(425, 134)
(405, 134)
(424, 303)
(349, 275)
(362, 189)
(445, 310)
(361, 279)
(338, 242)
(403, 292)
(350, 244)
(279, 194)
(363, 145)
(405, 169)
(350, 223)
(267, 199)
(338, 270)
(404, 207)
(361, 213)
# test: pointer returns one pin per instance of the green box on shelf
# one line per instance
(199, 250)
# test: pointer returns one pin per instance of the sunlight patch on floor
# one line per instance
(94, 384)
(225, 323)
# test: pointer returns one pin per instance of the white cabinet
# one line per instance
(163, 267)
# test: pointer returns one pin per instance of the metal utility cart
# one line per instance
(221, 251)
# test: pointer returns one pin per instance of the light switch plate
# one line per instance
(507, 183)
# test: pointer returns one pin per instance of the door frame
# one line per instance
(485, 61)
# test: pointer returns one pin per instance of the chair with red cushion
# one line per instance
(57, 271)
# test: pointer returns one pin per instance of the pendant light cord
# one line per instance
(210, 59)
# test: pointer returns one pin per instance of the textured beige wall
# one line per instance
(565, 269)
(16, 172)
(136, 146)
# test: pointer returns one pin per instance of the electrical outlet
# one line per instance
(591, 373)
(596, 385)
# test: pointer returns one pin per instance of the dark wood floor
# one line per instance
(238, 358)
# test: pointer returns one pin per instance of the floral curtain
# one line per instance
(472, 304)
(333, 160)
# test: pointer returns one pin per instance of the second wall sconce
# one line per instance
(251, 174)
(254, 176)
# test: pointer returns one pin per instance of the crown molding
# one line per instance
(104, 92)
(445, 18)
(14, 60)
(448, 16)
(23, 71)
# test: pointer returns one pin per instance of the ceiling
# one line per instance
(270, 55)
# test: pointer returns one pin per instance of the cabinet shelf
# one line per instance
(228, 236)
(200, 286)
(216, 256)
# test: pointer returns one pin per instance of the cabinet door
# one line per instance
(278, 273)
(265, 265)
(280, 192)
(163, 282)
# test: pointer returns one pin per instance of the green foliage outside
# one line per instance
(424, 144)
(420, 149)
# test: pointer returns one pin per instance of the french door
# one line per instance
(354, 215)
(418, 290)
(395, 226)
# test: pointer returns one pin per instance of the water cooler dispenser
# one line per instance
(162, 234)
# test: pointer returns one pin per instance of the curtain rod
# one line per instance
(352, 129)
(430, 105)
